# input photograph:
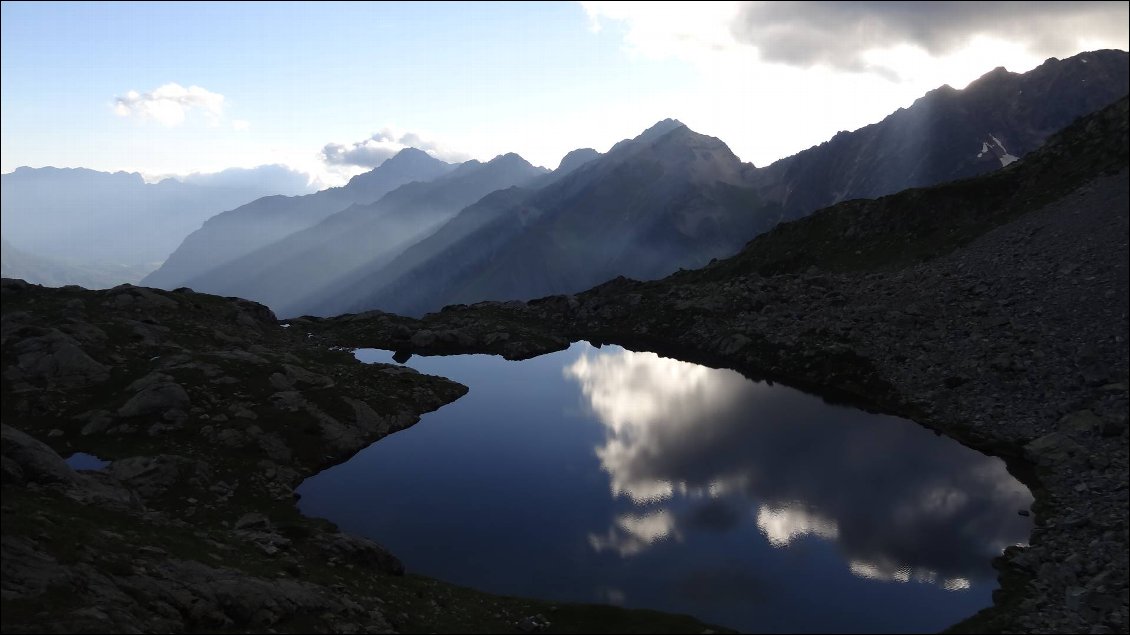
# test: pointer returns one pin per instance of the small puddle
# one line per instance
(607, 475)
(83, 461)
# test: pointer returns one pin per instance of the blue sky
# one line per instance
(172, 88)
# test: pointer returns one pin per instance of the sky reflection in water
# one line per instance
(616, 476)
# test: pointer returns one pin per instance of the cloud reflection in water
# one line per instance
(691, 447)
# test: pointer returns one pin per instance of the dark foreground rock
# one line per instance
(994, 310)
(210, 413)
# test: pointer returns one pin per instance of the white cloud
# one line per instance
(170, 104)
(787, 523)
(887, 571)
(644, 400)
(240, 124)
(272, 178)
(380, 146)
(633, 533)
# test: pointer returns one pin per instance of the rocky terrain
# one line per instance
(994, 310)
(210, 413)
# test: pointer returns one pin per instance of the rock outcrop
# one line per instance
(210, 412)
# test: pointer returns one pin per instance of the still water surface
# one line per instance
(606, 475)
(83, 461)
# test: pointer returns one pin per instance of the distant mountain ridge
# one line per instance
(947, 134)
(665, 200)
(50, 173)
(669, 197)
(673, 199)
(109, 222)
(312, 258)
(575, 159)
(51, 272)
(238, 232)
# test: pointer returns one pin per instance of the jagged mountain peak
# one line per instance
(1090, 63)
(941, 92)
(662, 127)
(510, 158)
(508, 162)
(575, 159)
(685, 136)
(656, 131)
(409, 161)
(671, 143)
(999, 71)
(411, 155)
(996, 79)
(1086, 56)
(700, 158)
(469, 166)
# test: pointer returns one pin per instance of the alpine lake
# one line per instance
(613, 476)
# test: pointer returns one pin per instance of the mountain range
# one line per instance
(239, 232)
(416, 234)
(948, 134)
(313, 257)
(668, 198)
(672, 198)
(80, 226)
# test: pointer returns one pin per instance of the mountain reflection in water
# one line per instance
(615, 476)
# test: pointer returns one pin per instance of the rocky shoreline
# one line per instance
(211, 413)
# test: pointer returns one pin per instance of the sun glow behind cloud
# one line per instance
(764, 99)
(769, 97)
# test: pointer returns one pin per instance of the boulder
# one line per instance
(155, 398)
(58, 359)
(28, 460)
(423, 338)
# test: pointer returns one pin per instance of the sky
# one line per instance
(333, 89)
